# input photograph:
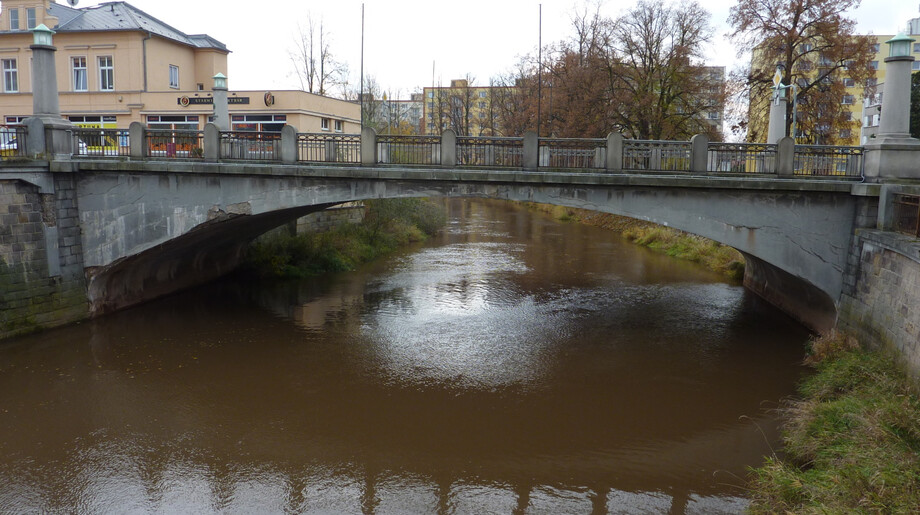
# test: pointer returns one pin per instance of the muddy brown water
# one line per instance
(513, 364)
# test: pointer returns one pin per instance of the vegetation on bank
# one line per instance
(851, 442)
(689, 247)
(388, 224)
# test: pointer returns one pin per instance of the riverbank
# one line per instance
(851, 441)
(689, 247)
(388, 225)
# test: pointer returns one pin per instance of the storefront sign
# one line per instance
(187, 101)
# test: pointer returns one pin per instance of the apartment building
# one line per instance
(117, 64)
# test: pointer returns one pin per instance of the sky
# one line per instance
(410, 44)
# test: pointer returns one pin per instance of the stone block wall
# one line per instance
(881, 300)
(38, 288)
(328, 219)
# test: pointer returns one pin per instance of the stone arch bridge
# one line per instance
(148, 228)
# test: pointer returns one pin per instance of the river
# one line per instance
(513, 364)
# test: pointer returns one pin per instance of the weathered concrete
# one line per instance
(127, 210)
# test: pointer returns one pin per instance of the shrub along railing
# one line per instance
(613, 154)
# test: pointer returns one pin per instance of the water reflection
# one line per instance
(515, 365)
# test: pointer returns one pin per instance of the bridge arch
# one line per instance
(145, 234)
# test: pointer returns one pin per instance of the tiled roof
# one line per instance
(124, 16)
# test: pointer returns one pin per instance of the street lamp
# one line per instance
(899, 46)
(42, 35)
(220, 81)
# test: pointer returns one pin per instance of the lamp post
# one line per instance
(895, 116)
(48, 132)
(893, 153)
(221, 110)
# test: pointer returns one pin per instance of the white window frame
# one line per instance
(31, 18)
(173, 76)
(10, 76)
(324, 124)
(78, 70)
(14, 19)
(339, 126)
(106, 73)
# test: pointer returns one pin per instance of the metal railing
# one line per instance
(828, 160)
(907, 214)
(741, 158)
(175, 144)
(329, 148)
(489, 151)
(101, 142)
(573, 153)
(12, 141)
(250, 145)
(408, 150)
(662, 156)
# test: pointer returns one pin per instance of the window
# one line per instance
(324, 124)
(106, 73)
(167, 122)
(713, 115)
(339, 126)
(482, 105)
(849, 83)
(482, 94)
(30, 18)
(431, 94)
(430, 105)
(874, 65)
(14, 19)
(200, 86)
(258, 122)
(79, 73)
(874, 47)
(845, 133)
(174, 76)
(848, 100)
(914, 66)
(10, 76)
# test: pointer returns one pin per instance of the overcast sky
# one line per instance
(407, 42)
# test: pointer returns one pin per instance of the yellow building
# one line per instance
(117, 65)
(853, 99)
(468, 110)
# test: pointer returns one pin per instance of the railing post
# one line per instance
(614, 152)
(449, 148)
(211, 142)
(368, 146)
(35, 136)
(288, 144)
(785, 157)
(699, 153)
(531, 158)
(137, 138)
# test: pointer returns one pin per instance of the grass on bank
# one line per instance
(388, 225)
(710, 254)
(851, 442)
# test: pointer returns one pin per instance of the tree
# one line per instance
(314, 64)
(915, 105)
(640, 74)
(817, 51)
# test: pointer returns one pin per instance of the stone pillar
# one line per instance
(449, 148)
(368, 146)
(531, 157)
(785, 157)
(288, 144)
(777, 128)
(45, 105)
(221, 109)
(211, 143)
(699, 153)
(137, 137)
(614, 152)
(893, 153)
